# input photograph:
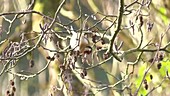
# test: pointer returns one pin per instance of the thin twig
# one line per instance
(120, 16)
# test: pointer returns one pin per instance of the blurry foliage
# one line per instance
(125, 51)
(163, 16)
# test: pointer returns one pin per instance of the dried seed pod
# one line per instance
(102, 41)
(7, 92)
(161, 57)
(75, 59)
(151, 77)
(31, 63)
(141, 21)
(51, 94)
(94, 38)
(105, 56)
(159, 65)
(149, 26)
(82, 75)
(52, 58)
(146, 86)
(12, 94)
(85, 72)
(76, 53)
(150, 60)
(48, 57)
(13, 89)
(12, 83)
(88, 50)
(57, 55)
(72, 53)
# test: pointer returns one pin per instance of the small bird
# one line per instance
(78, 41)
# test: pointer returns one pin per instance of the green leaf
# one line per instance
(162, 11)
